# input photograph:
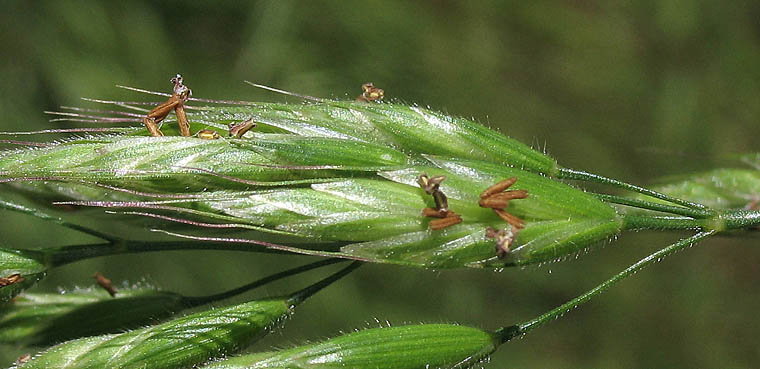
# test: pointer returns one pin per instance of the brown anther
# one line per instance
(239, 129)
(176, 102)
(441, 202)
(753, 205)
(497, 197)
(501, 200)
(493, 203)
(182, 93)
(432, 185)
(514, 221)
(449, 220)
(23, 359)
(208, 134)
(503, 239)
(105, 283)
(370, 93)
(11, 279)
(499, 187)
(182, 122)
(434, 213)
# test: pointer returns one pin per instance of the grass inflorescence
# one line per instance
(364, 180)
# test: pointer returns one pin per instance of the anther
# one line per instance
(499, 187)
(11, 279)
(370, 93)
(752, 205)
(180, 95)
(503, 239)
(23, 359)
(509, 218)
(207, 134)
(239, 129)
(497, 198)
(432, 186)
(105, 283)
(449, 220)
(446, 217)
(501, 200)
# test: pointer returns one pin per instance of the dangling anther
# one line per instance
(432, 186)
(449, 220)
(11, 279)
(239, 129)
(21, 360)
(497, 197)
(182, 93)
(177, 103)
(501, 200)
(105, 283)
(752, 205)
(499, 191)
(503, 239)
(370, 93)
(509, 218)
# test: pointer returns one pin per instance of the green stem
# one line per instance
(506, 333)
(739, 219)
(58, 256)
(7, 205)
(566, 173)
(642, 204)
(307, 292)
(723, 221)
(202, 300)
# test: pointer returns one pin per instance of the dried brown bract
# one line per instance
(11, 279)
(239, 129)
(370, 93)
(177, 103)
(105, 283)
(503, 238)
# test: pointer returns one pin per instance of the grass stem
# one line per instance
(506, 333)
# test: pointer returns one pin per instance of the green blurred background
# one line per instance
(632, 90)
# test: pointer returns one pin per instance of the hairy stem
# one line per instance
(506, 333)
(7, 205)
(307, 292)
(723, 221)
(58, 256)
(202, 300)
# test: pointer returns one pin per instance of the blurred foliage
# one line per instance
(633, 90)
